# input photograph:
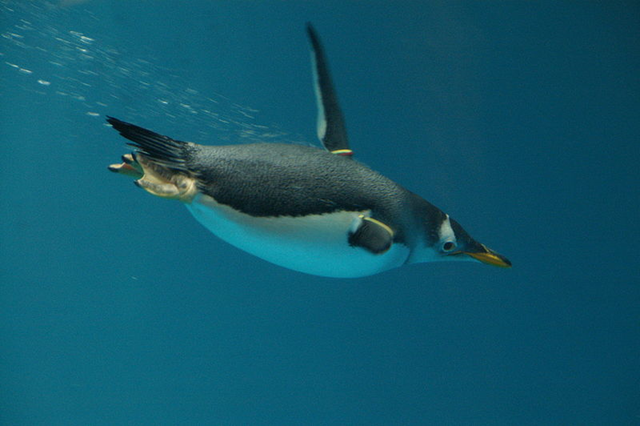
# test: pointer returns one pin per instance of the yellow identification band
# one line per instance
(345, 152)
(377, 222)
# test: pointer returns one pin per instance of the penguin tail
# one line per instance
(159, 164)
(159, 149)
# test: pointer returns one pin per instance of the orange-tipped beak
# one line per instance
(491, 258)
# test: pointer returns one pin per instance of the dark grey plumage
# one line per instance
(284, 180)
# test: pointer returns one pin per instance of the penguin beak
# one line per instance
(490, 257)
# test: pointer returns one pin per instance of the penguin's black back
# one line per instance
(274, 180)
(291, 180)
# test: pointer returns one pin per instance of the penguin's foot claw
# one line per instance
(128, 167)
(156, 179)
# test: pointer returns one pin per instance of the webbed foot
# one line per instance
(128, 167)
(156, 179)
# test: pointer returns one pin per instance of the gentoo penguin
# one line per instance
(312, 210)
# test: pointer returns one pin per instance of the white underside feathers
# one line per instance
(314, 244)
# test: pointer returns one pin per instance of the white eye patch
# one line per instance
(446, 232)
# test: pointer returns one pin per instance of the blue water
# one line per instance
(520, 119)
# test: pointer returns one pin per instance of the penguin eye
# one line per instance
(448, 246)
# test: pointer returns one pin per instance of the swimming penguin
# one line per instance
(312, 210)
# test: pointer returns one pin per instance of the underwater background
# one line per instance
(519, 119)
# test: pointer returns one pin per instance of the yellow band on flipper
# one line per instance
(345, 152)
(377, 222)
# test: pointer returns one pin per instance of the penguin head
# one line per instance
(466, 247)
(449, 241)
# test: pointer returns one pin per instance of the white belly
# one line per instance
(314, 244)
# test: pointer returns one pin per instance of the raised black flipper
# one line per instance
(331, 128)
(372, 235)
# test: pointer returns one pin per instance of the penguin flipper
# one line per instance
(372, 235)
(331, 128)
